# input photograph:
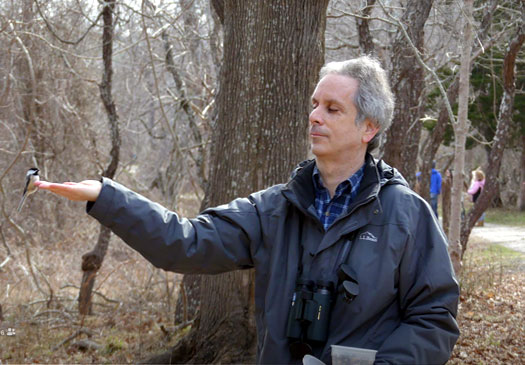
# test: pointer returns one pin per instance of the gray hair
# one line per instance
(374, 99)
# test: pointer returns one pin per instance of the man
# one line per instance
(435, 188)
(345, 229)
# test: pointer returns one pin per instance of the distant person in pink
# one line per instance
(476, 186)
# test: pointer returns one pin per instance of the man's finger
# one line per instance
(43, 184)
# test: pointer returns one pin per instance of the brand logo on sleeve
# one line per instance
(367, 236)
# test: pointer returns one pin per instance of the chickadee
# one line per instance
(30, 188)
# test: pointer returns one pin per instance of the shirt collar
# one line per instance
(354, 180)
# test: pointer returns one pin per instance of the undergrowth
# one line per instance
(133, 306)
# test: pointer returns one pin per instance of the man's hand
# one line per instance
(87, 190)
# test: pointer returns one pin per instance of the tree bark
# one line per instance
(92, 261)
(460, 134)
(407, 79)
(503, 132)
(273, 51)
(521, 193)
(445, 200)
(366, 43)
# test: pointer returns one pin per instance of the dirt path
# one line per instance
(510, 237)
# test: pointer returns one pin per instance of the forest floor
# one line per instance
(492, 306)
(134, 303)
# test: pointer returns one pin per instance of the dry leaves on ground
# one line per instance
(492, 311)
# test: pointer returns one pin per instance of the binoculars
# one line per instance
(310, 309)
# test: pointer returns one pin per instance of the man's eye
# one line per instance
(333, 110)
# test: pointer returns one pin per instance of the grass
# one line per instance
(508, 217)
(501, 253)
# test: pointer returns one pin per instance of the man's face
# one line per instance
(334, 134)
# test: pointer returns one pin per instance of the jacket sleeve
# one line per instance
(218, 240)
(428, 297)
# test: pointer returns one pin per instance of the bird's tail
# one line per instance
(22, 202)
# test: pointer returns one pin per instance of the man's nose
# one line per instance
(315, 116)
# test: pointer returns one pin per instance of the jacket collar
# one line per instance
(300, 190)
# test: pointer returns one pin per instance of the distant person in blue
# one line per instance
(435, 188)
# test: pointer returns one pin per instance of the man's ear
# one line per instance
(370, 131)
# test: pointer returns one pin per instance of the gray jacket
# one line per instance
(408, 295)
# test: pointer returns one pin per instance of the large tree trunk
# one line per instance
(460, 135)
(503, 132)
(273, 51)
(408, 82)
(92, 261)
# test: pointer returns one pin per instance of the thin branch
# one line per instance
(72, 70)
(94, 292)
(74, 335)
(95, 58)
(52, 311)
(32, 271)
(7, 259)
(201, 145)
(54, 34)
(366, 17)
(4, 241)
(150, 131)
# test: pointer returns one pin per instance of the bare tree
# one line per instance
(92, 261)
(460, 133)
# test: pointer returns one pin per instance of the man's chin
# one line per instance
(317, 151)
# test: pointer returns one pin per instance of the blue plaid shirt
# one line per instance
(329, 209)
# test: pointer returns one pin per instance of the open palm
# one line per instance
(87, 190)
